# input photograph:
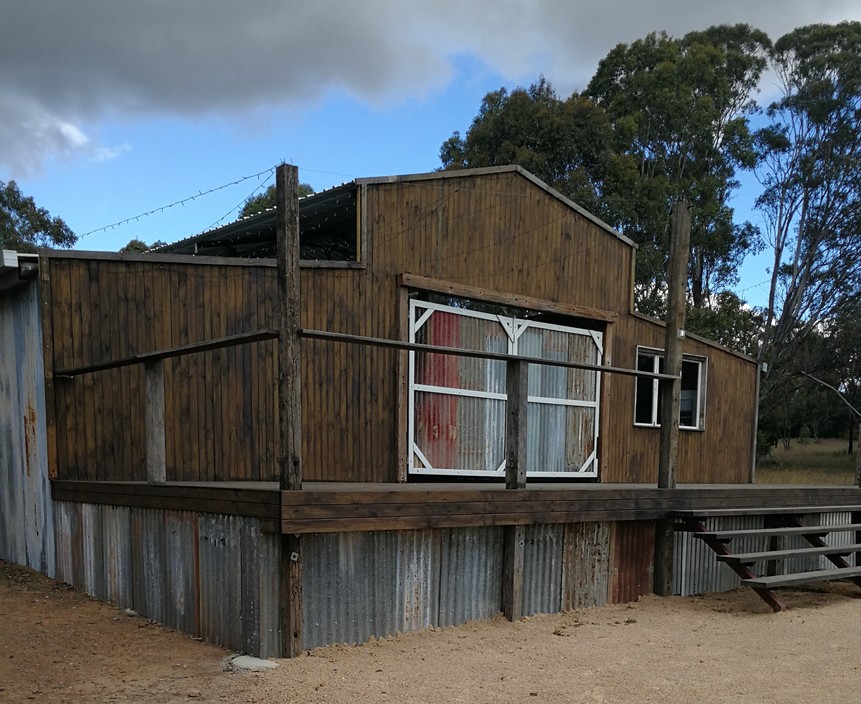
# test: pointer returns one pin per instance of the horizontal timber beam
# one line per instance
(192, 348)
(460, 352)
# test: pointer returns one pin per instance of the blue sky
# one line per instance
(110, 110)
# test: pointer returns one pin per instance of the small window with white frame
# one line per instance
(647, 401)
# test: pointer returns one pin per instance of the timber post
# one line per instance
(156, 471)
(289, 397)
(858, 465)
(670, 391)
(514, 537)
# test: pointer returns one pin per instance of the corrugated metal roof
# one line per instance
(327, 231)
(327, 220)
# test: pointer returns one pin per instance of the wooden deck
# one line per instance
(341, 506)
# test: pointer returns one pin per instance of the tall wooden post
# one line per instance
(514, 537)
(289, 397)
(670, 390)
(858, 466)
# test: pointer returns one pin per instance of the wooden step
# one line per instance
(767, 532)
(749, 558)
(788, 580)
(765, 511)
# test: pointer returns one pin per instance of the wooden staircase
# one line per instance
(778, 525)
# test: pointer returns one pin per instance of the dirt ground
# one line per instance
(57, 645)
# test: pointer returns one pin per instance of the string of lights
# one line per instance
(182, 201)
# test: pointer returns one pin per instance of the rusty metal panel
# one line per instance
(586, 565)
(65, 522)
(633, 560)
(92, 563)
(542, 569)
(148, 561)
(26, 514)
(220, 579)
(695, 566)
(117, 555)
(269, 570)
(180, 563)
(470, 575)
(359, 585)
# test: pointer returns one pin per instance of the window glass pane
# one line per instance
(458, 432)
(546, 424)
(559, 382)
(645, 390)
(688, 416)
(451, 330)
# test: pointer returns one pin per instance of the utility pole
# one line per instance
(670, 390)
(289, 396)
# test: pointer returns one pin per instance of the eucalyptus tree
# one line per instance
(662, 119)
(25, 227)
(810, 171)
(680, 110)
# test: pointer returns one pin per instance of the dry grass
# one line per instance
(814, 462)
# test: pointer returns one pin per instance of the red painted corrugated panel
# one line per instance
(633, 560)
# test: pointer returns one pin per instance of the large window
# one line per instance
(457, 404)
(647, 402)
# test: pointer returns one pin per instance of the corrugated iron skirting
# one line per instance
(212, 576)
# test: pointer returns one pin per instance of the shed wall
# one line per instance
(720, 454)
(26, 528)
(498, 232)
(215, 577)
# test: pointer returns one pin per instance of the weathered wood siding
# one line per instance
(219, 405)
(721, 453)
(497, 231)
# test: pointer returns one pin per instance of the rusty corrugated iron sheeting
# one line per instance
(470, 575)
(633, 562)
(212, 576)
(586, 565)
(697, 571)
(26, 531)
(695, 566)
(542, 569)
(361, 585)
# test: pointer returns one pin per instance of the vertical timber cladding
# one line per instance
(349, 391)
(216, 403)
(632, 452)
(497, 231)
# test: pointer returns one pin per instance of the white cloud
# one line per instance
(65, 66)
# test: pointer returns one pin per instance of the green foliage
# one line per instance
(136, 246)
(563, 142)
(263, 201)
(810, 158)
(25, 227)
(727, 320)
(662, 119)
(680, 109)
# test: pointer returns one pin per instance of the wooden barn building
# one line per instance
(140, 445)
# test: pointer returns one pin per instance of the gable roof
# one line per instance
(489, 170)
(327, 218)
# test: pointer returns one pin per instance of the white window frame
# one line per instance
(514, 327)
(702, 377)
